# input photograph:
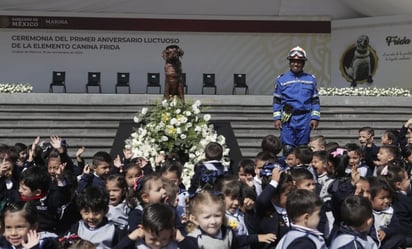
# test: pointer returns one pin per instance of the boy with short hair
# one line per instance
(101, 169)
(271, 144)
(157, 229)
(317, 143)
(246, 171)
(356, 212)
(208, 171)
(93, 203)
(304, 157)
(303, 207)
(369, 148)
(303, 179)
(355, 155)
(261, 159)
(35, 186)
(291, 160)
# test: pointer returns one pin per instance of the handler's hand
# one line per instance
(314, 124)
(278, 124)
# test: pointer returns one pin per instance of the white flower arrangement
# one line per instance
(175, 127)
(15, 88)
(361, 91)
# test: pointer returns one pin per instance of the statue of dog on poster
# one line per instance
(361, 64)
(173, 70)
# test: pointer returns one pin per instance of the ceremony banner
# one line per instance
(34, 46)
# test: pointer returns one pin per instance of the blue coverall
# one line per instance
(300, 93)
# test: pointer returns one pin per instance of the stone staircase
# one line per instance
(92, 120)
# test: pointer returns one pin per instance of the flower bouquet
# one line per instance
(174, 127)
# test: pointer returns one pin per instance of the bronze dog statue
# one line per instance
(173, 70)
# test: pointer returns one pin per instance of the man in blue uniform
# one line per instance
(296, 105)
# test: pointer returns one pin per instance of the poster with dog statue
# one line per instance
(359, 62)
(371, 52)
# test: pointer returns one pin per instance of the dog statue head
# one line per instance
(172, 54)
(363, 42)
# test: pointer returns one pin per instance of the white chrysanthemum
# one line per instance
(144, 111)
(173, 121)
(206, 117)
(165, 138)
(183, 136)
(182, 119)
(198, 129)
(221, 139)
(197, 103)
(178, 111)
(142, 131)
(196, 111)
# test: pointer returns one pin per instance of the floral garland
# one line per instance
(15, 88)
(175, 127)
(323, 91)
(361, 91)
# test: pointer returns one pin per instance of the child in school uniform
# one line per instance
(8, 184)
(156, 231)
(303, 207)
(101, 169)
(231, 190)
(172, 170)
(355, 155)
(94, 226)
(317, 143)
(387, 154)
(369, 148)
(149, 189)
(207, 229)
(356, 212)
(118, 209)
(246, 172)
(399, 180)
(19, 228)
(208, 171)
(261, 159)
(303, 179)
(270, 207)
(320, 164)
(304, 157)
(35, 186)
(386, 221)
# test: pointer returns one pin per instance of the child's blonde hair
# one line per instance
(202, 200)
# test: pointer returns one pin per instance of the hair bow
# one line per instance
(69, 238)
(338, 152)
(138, 183)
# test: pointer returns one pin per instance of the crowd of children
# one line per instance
(321, 195)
